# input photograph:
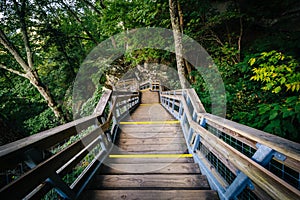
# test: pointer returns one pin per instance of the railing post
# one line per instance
(33, 158)
(180, 110)
(196, 143)
(194, 116)
(262, 156)
(203, 122)
(173, 105)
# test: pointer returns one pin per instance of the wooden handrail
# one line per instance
(269, 184)
(284, 146)
(12, 153)
(61, 163)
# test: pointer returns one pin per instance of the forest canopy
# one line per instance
(255, 45)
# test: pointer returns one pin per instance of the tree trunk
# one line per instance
(175, 21)
(36, 82)
(240, 40)
(29, 73)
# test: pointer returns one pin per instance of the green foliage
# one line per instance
(277, 110)
(42, 121)
(89, 106)
(261, 88)
(276, 71)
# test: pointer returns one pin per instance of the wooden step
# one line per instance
(151, 181)
(153, 147)
(157, 140)
(149, 160)
(151, 194)
(120, 151)
(150, 135)
(149, 97)
(153, 168)
(142, 128)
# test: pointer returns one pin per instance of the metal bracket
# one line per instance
(33, 157)
(262, 156)
(196, 143)
(180, 110)
(276, 154)
(194, 117)
(203, 122)
(238, 185)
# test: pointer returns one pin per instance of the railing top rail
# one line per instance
(64, 157)
(243, 151)
(281, 145)
(48, 138)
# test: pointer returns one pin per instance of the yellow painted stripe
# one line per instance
(149, 104)
(144, 90)
(153, 122)
(151, 156)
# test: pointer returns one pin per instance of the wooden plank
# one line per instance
(166, 151)
(176, 97)
(154, 168)
(11, 154)
(149, 160)
(171, 181)
(287, 147)
(150, 135)
(290, 162)
(156, 140)
(151, 126)
(151, 194)
(150, 122)
(143, 155)
(103, 102)
(28, 181)
(153, 147)
(269, 182)
(197, 105)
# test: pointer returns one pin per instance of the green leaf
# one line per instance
(273, 114)
(282, 80)
(291, 99)
(263, 109)
(297, 108)
(252, 61)
(277, 89)
(287, 113)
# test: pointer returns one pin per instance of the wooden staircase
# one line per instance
(150, 160)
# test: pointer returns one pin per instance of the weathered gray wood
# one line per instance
(151, 135)
(176, 97)
(153, 168)
(103, 102)
(43, 171)
(149, 97)
(152, 181)
(149, 160)
(12, 153)
(153, 147)
(265, 180)
(154, 140)
(140, 125)
(145, 151)
(284, 146)
(269, 182)
(151, 194)
(198, 106)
